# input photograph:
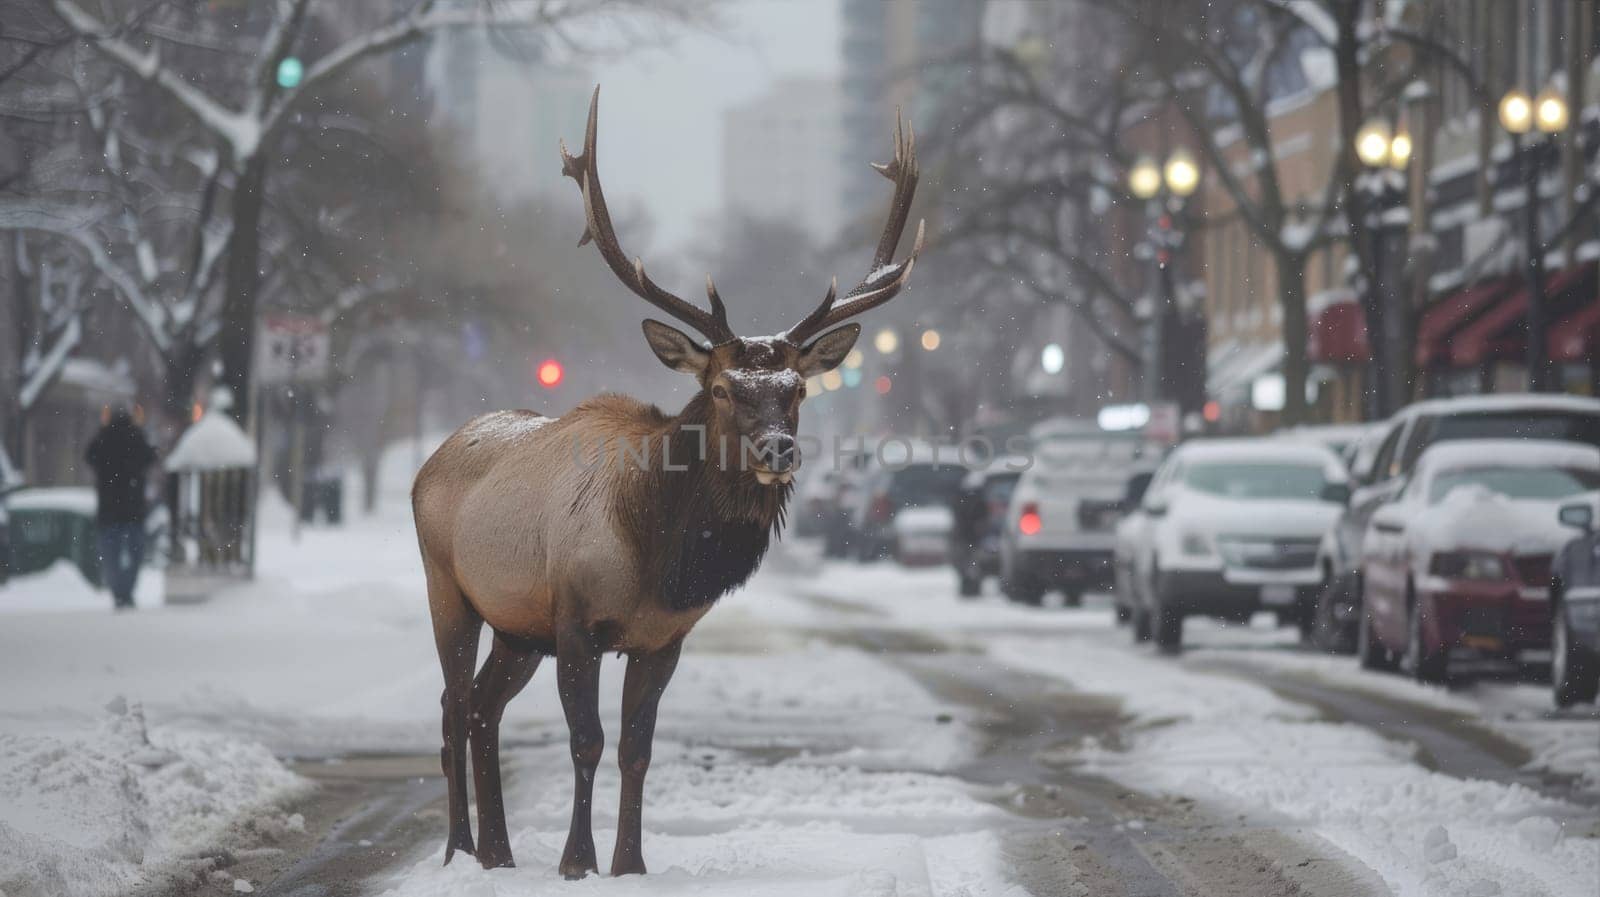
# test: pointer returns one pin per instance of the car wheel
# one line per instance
(1166, 623)
(866, 550)
(1574, 670)
(971, 585)
(1427, 668)
(1372, 653)
(1073, 597)
(1141, 625)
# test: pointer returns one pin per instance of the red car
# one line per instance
(1457, 567)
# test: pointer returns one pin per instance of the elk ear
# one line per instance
(827, 351)
(676, 349)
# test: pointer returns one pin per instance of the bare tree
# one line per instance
(247, 116)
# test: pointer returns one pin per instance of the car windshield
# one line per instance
(925, 484)
(1566, 426)
(1517, 482)
(1253, 480)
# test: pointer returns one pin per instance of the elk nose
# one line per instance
(779, 452)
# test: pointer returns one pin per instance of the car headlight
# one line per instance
(1467, 565)
(1195, 544)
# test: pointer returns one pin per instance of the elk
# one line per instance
(577, 559)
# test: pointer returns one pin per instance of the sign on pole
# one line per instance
(294, 349)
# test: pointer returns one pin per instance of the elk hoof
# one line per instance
(495, 860)
(576, 872)
(461, 841)
(627, 867)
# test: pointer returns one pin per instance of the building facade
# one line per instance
(780, 154)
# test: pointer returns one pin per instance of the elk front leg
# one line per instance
(646, 680)
(578, 680)
(504, 674)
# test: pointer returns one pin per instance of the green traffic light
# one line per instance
(290, 71)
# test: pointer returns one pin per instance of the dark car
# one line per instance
(980, 514)
(1331, 620)
(1575, 607)
(892, 489)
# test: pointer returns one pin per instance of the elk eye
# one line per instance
(801, 392)
(717, 392)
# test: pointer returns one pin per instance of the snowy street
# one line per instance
(833, 729)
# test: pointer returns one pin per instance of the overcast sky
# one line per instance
(661, 111)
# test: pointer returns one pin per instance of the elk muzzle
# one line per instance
(778, 456)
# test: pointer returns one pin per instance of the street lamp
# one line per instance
(1181, 173)
(1180, 177)
(1548, 113)
(1385, 151)
(1144, 179)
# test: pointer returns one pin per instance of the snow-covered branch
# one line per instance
(240, 130)
(42, 369)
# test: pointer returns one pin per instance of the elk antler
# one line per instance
(581, 168)
(884, 280)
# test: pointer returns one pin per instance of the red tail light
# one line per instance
(1030, 522)
(880, 511)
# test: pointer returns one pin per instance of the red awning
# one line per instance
(1501, 332)
(1575, 338)
(1339, 334)
(1444, 317)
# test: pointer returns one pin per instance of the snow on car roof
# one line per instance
(76, 499)
(1477, 453)
(1270, 450)
(1502, 402)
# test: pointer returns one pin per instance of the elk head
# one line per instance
(752, 386)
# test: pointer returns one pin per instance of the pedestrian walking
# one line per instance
(121, 457)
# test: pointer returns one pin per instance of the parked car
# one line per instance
(890, 489)
(838, 530)
(1227, 527)
(921, 535)
(814, 500)
(1575, 606)
(1060, 527)
(1379, 472)
(54, 524)
(980, 515)
(1458, 565)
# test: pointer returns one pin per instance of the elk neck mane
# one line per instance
(700, 527)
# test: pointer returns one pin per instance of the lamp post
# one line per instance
(1179, 177)
(1385, 152)
(1520, 116)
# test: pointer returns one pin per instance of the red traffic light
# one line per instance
(550, 373)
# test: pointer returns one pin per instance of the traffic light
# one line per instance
(550, 373)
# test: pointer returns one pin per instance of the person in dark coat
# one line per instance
(121, 458)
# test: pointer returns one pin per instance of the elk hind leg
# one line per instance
(507, 671)
(455, 633)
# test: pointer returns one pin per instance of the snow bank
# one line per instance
(123, 804)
